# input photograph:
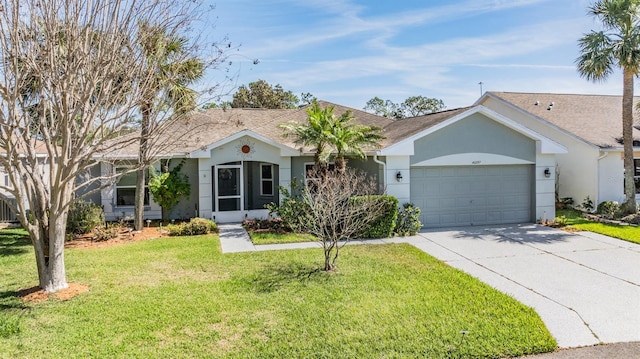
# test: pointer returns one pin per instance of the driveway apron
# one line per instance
(584, 286)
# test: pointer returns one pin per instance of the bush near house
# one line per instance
(84, 217)
(381, 227)
(408, 222)
(195, 226)
(609, 209)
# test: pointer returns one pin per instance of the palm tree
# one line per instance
(315, 133)
(348, 139)
(170, 70)
(601, 52)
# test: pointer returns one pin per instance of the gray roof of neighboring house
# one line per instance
(595, 119)
(208, 127)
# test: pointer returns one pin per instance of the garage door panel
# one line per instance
(457, 196)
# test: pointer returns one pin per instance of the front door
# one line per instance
(229, 188)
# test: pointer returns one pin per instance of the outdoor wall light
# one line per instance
(547, 172)
(399, 176)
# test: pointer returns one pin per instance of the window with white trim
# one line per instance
(266, 179)
(126, 189)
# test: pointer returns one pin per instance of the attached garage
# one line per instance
(470, 167)
(473, 195)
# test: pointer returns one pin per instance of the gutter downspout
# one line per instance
(384, 171)
(597, 199)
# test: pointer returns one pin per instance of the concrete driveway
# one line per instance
(584, 286)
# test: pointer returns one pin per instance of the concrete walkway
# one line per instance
(584, 286)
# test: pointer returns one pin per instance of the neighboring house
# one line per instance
(6, 213)
(470, 166)
(589, 126)
(8, 200)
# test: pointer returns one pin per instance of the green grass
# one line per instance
(575, 220)
(274, 238)
(180, 297)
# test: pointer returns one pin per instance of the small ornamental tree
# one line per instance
(168, 186)
(331, 213)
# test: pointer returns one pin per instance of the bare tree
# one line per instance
(338, 206)
(71, 79)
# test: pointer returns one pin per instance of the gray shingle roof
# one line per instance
(596, 119)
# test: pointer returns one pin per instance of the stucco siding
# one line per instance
(186, 208)
(475, 134)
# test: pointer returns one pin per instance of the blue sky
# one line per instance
(347, 51)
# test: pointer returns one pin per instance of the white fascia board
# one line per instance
(472, 159)
(206, 151)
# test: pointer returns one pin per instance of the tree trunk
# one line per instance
(48, 242)
(627, 139)
(341, 164)
(138, 218)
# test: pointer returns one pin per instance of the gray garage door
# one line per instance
(477, 195)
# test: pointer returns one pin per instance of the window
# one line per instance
(266, 179)
(126, 189)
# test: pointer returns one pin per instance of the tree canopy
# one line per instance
(72, 78)
(260, 94)
(411, 107)
(171, 66)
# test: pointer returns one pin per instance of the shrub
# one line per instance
(587, 204)
(194, 227)
(84, 217)
(103, 233)
(381, 227)
(408, 221)
(608, 209)
(291, 209)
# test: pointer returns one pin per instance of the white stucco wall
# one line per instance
(610, 177)
(545, 207)
(401, 190)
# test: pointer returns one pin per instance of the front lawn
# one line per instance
(180, 297)
(575, 220)
(258, 237)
